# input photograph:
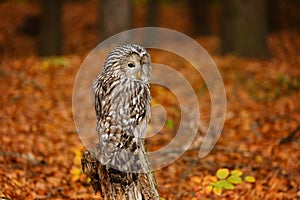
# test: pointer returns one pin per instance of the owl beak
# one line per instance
(139, 74)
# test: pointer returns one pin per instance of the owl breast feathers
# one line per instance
(122, 104)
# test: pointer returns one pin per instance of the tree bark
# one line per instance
(114, 16)
(118, 185)
(244, 28)
(51, 29)
(199, 14)
(273, 13)
(152, 12)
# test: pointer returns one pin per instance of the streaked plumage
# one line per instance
(122, 105)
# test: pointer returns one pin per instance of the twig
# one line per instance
(290, 136)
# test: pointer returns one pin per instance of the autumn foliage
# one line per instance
(40, 149)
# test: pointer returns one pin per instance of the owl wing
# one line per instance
(122, 110)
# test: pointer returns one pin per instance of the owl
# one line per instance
(118, 166)
(122, 104)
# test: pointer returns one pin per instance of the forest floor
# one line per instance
(40, 148)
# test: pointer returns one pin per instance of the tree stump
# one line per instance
(120, 185)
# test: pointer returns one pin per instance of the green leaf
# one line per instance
(237, 172)
(220, 184)
(250, 179)
(170, 123)
(222, 173)
(229, 186)
(209, 188)
(212, 184)
(224, 184)
(235, 179)
(55, 61)
(217, 191)
(60, 61)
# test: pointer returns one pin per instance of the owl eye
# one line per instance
(131, 65)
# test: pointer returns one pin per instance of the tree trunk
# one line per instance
(244, 28)
(152, 12)
(199, 14)
(114, 16)
(118, 185)
(51, 29)
(273, 13)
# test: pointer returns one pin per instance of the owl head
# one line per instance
(129, 61)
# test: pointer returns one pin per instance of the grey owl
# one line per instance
(122, 104)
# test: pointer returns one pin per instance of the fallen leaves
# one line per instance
(40, 149)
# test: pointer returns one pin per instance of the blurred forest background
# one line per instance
(255, 44)
(55, 27)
